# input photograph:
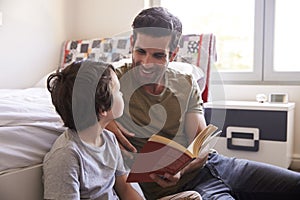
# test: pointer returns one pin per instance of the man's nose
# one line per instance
(147, 60)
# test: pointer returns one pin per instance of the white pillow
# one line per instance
(190, 69)
(42, 83)
(187, 68)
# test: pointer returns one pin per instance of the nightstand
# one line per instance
(255, 131)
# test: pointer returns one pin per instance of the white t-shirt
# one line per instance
(75, 170)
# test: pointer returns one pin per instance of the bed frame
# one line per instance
(25, 183)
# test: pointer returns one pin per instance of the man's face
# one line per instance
(150, 58)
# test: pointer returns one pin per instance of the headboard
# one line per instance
(196, 49)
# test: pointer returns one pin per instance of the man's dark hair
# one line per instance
(80, 92)
(158, 22)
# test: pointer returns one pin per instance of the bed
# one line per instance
(29, 124)
(28, 127)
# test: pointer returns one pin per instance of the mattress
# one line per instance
(29, 125)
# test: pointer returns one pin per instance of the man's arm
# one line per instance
(121, 133)
(194, 123)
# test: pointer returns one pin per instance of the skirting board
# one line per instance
(295, 165)
(22, 184)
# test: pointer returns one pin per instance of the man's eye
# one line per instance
(160, 55)
(140, 51)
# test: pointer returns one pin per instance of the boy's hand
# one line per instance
(121, 134)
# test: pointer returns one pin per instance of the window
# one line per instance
(256, 39)
(281, 61)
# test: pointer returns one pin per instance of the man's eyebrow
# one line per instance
(138, 47)
(159, 54)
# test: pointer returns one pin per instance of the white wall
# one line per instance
(30, 40)
(102, 18)
(33, 32)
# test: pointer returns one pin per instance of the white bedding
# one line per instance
(29, 125)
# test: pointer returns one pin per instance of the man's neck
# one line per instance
(154, 89)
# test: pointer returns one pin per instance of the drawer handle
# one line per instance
(242, 138)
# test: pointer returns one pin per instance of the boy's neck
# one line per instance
(92, 135)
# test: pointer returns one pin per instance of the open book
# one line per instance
(160, 155)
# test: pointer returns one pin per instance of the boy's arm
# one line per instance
(125, 190)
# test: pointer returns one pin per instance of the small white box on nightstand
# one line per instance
(255, 131)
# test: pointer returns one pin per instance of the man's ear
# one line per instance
(131, 42)
(174, 53)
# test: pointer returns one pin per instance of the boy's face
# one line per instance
(118, 103)
(150, 58)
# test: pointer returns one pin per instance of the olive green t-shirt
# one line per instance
(164, 114)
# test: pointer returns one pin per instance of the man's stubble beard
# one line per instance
(156, 78)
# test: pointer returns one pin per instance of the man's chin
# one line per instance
(143, 80)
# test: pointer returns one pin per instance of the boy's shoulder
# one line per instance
(109, 136)
(64, 146)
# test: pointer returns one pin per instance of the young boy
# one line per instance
(85, 161)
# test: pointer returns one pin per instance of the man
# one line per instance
(161, 101)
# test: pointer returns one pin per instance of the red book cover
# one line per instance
(157, 158)
(160, 155)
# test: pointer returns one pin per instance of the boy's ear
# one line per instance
(102, 113)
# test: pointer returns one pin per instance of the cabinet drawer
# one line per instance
(272, 125)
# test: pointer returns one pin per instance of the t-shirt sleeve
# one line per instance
(121, 70)
(61, 175)
(120, 166)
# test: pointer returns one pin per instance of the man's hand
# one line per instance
(121, 134)
(169, 180)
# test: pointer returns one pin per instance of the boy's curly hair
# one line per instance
(80, 92)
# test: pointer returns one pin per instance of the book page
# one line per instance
(171, 143)
(209, 143)
(195, 146)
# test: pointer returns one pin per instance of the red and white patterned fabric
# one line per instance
(196, 49)
(105, 49)
(199, 50)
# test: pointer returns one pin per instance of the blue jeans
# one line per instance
(230, 178)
